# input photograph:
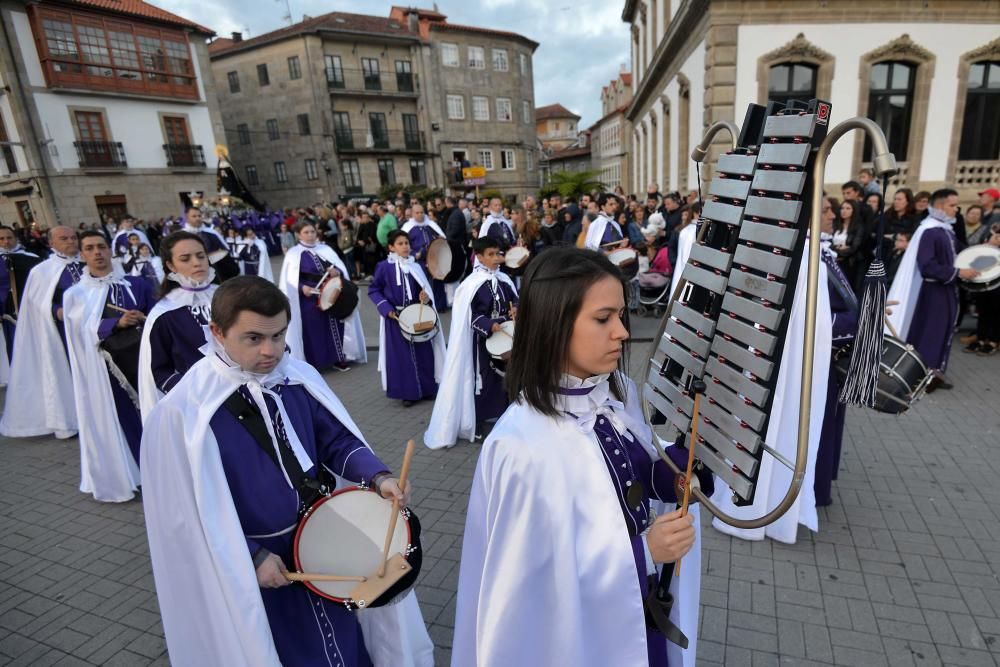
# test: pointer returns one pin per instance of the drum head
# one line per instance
(418, 323)
(986, 260)
(627, 261)
(343, 534)
(439, 258)
(501, 343)
(516, 257)
(329, 293)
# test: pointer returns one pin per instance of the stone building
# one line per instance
(105, 108)
(556, 127)
(340, 105)
(927, 71)
(611, 134)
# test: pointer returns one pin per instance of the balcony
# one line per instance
(100, 154)
(184, 155)
(358, 82)
(361, 141)
(976, 174)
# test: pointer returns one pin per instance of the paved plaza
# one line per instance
(904, 570)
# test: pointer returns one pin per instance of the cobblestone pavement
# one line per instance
(904, 570)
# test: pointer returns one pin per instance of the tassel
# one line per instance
(866, 355)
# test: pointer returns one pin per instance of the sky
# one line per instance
(582, 43)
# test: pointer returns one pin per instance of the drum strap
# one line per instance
(310, 490)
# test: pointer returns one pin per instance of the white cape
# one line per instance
(209, 598)
(149, 393)
(264, 269)
(206, 228)
(40, 392)
(496, 220)
(411, 223)
(4, 362)
(125, 232)
(437, 343)
(685, 241)
(107, 468)
(454, 414)
(595, 234)
(906, 285)
(354, 334)
(547, 574)
(782, 432)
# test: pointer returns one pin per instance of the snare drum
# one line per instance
(516, 260)
(418, 322)
(903, 375)
(338, 298)
(224, 264)
(500, 343)
(627, 261)
(985, 259)
(439, 258)
(343, 534)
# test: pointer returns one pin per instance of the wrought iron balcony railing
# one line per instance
(100, 153)
(184, 155)
(362, 141)
(359, 81)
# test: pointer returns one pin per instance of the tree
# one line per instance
(576, 183)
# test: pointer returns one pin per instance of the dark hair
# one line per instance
(605, 197)
(923, 194)
(90, 233)
(395, 234)
(483, 243)
(910, 208)
(299, 226)
(11, 229)
(251, 293)
(852, 185)
(981, 210)
(855, 219)
(554, 288)
(167, 255)
(942, 193)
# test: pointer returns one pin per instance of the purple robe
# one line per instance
(250, 254)
(21, 271)
(141, 298)
(409, 369)
(308, 630)
(212, 241)
(489, 308)
(421, 237)
(322, 335)
(611, 234)
(933, 321)
(69, 277)
(174, 341)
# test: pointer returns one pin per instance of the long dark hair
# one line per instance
(855, 219)
(167, 255)
(555, 285)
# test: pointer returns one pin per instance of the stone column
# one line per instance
(720, 86)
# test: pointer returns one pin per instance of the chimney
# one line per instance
(413, 21)
(237, 36)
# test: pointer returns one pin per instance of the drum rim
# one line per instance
(305, 519)
(979, 250)
(430, 307)
(509, 333)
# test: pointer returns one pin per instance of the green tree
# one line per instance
(576, 183)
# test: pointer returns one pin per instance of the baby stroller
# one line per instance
(654, 285)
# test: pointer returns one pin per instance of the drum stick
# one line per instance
(892, 329)
(690, 465)
(122, 310)
(306, 576)
(403, 474)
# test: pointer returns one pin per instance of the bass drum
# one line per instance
(903, 375)
(346, 302)
(459, 262)
(439, 258)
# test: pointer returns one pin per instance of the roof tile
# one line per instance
(143, 10)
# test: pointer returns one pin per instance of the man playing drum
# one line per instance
(222, 502)
(472, 391)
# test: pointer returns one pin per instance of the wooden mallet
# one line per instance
(698, 387)
(403, 474)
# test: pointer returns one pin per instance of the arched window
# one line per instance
(791, 81)
(981, 123)
(890, 105)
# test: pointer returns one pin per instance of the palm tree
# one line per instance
(576, 183)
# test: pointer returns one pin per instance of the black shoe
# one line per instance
(942, 381)
(407, 404)
(972, 347)
(987, 349)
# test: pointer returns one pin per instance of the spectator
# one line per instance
(849, 236)
(455, 226)
(386, 224)
(671, 212)
(552, 229)
(286, 237)
(900, 244)
(866, 177)
(345, 239)
(921, 202)
(976, 230)
(988, 199)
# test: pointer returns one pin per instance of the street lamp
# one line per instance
(195, 198)
(223, 197)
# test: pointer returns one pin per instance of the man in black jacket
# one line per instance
(454, 222)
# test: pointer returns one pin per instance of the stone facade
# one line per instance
(557, 127)
(611, 135)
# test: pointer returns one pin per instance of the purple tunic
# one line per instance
(489, 308)
(421, 237)
(934, 315)
(69, 277)
(141, 298)
(322, 335)
(409, 366)
(174, 341)
(250, 254)
(308, 630)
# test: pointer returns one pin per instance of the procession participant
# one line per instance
(472, 391)
(421, 231)
(496, 226)
(563, 583)
(926, 287)
(604, 230)
(39, 398)
(410, 371)
(219, 502)
(120, 243)
(144, 264)
(175, 330)
(105, 303)
(844, 316)
(226, 268)
(15, 266)
(254, 256)
(782, 432)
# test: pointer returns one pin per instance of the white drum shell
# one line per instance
(623, 256)
(516, 257)
(439, 258)
(501, 342)
(984, 258)
(414, 313)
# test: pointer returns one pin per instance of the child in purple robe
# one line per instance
(422, 232)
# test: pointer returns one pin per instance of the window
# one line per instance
(981, 122)
(7, 151)
(304, 123)
(334, 72)
(412, 138)
(890, 103)
(456, 107)
(294, 69)
(522, 61)
(352, 176)
(507, 159)
(480, 108)
(500, 60)
(791, 81)
(234, 82)
(503, 109)
(379, 130)
(370, 72)
(477, 57)
(418, 172)
(386, 172)
(252, 178)
(262, 77)
(404, 76)
(243, 132)
(526, 112)
(449, 54)
(176, 130)
(312, 174)
(342, 130)
(529, 160)
(280, 174)
(272, 129)
(486, 159)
